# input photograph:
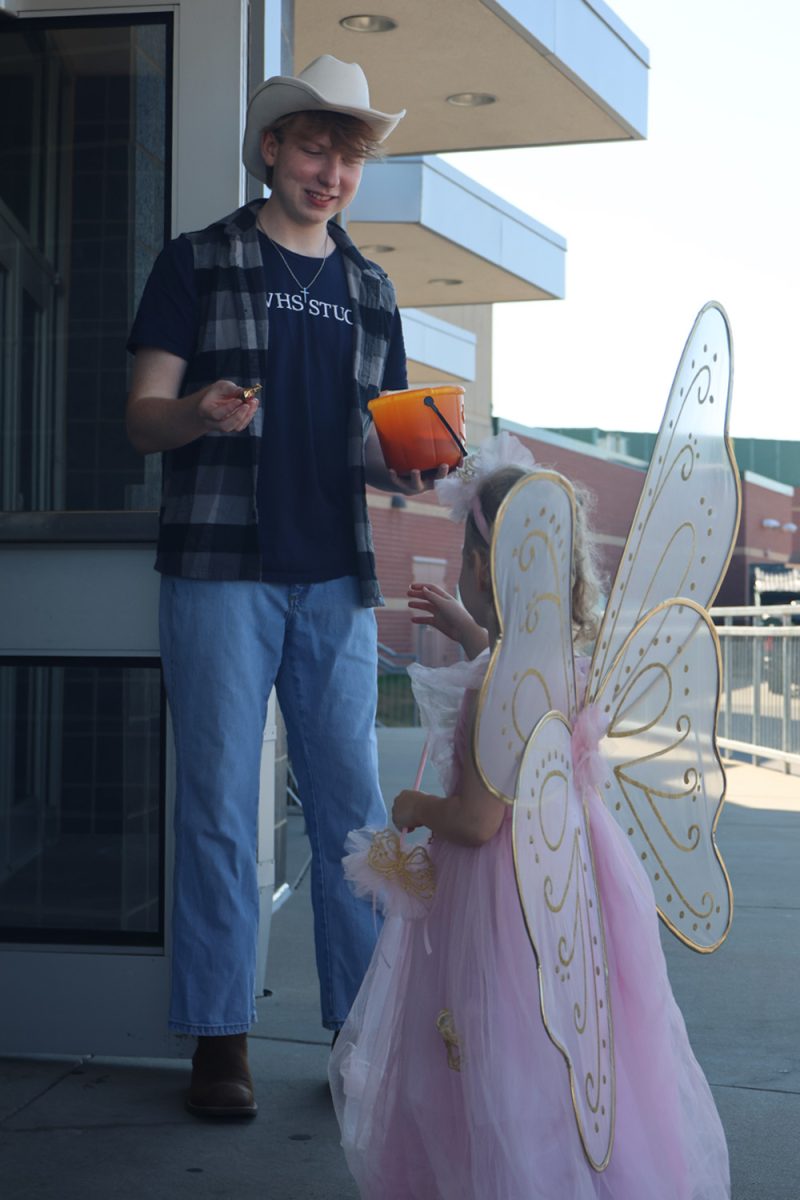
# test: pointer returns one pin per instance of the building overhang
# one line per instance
(437, 351)
(559, 73)
(446, 240)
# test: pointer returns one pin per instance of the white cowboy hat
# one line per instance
(325, 84)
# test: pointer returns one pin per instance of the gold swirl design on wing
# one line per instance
(670, 439)
(580, 1007)
(677, 587)
(531, 673)
(568, 947)
(706, 372)
(687, 459)
(531, 620)
(683, 729)
(597, 974)
(574, 947)
(626, 779)
(559, 778)
(707, 900)
(592, 1001)
(525, 556)
(525, 553)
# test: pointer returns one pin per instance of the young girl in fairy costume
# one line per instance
(445, 1082)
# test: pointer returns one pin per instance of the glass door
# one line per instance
(85, 205)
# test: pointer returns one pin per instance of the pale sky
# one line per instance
(705, 209)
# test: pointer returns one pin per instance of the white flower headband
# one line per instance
(459, 490)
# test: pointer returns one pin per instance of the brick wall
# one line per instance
(423, 528)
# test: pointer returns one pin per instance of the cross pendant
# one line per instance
(305, 295)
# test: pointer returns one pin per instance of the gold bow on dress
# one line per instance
(412, 870)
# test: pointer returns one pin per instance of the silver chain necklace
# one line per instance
(311, 282)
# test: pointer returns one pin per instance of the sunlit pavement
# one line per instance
(116, 1129)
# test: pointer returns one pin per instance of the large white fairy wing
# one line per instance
(665, 783)
(531, 670)
(558, 893)
(683, 533)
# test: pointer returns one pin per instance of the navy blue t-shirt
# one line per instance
(305, 515)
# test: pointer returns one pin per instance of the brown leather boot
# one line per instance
(221, 1082)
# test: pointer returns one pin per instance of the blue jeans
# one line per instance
(223, 646)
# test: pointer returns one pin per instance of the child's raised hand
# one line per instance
(438, 608)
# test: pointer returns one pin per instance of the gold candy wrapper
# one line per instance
(251, 391)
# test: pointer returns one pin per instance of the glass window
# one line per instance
(84, 209)
(81, 801)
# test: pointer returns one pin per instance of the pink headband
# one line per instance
(482, 524)
(458, 491)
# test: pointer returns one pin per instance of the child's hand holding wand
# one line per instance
(405, 809)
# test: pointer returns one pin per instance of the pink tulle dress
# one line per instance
(445, 1082)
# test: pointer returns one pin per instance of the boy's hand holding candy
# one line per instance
(224, 407)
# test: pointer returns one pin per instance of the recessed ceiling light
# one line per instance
(447, 282)
(377, 249)
(368, 23)
(471, 99)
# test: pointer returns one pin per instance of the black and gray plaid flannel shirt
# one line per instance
(208, 527)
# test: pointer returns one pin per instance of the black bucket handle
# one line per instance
(429, 402)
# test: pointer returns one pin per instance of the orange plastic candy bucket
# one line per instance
(413, 435)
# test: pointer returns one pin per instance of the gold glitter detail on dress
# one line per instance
(447, 1029)
(411, 869)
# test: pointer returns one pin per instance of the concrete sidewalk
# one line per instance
(116, 1129)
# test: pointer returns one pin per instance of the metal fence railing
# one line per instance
(396, 704)
(760, 705)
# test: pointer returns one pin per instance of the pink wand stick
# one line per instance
(418, 779)
(421, 767)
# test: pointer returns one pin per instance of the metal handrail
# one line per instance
(756, 631)
(756, 610)
(392, 660)
(760, 703)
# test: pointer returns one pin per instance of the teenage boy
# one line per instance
(265, 550)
